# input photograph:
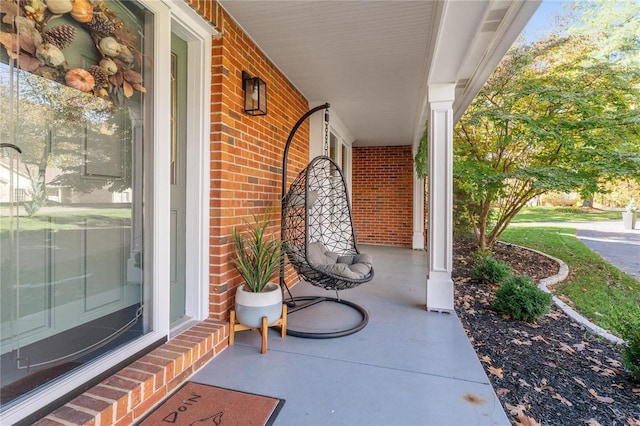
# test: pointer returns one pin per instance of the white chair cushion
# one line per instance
(354, 267)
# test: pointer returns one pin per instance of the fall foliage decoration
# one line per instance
(61, 36)
(82, 11)
(36, 43)
(80, 79)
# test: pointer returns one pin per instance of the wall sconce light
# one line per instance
(255, 95)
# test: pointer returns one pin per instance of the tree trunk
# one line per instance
(588, 203)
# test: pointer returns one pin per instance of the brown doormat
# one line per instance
(196, 404)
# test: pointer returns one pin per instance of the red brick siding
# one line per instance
(246, 151)
(383, 195)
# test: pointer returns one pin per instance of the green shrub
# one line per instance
(521, 299)
(488, 270)
(631, 353)
(629, 324)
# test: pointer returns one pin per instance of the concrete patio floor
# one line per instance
(406, 367)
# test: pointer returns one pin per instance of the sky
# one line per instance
(541, 22)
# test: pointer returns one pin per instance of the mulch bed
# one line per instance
(553, 372)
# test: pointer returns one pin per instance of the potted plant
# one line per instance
(629, 216)
(257, 258)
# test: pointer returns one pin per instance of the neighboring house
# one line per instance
(84, 296)
(21, 184)
(14, 184)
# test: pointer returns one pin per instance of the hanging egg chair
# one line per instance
(318, 237)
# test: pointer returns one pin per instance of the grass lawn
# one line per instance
(75, 219)
(563, 214)
(599, 291)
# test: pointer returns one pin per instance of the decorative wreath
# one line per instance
(38, 47)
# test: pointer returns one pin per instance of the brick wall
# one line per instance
(246, 151)
(383, 195)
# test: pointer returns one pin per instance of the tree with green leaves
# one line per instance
(64, 129)
(554, 116)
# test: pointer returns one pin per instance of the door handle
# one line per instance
(10, 145)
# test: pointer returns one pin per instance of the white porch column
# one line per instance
(440, 219)
(418, 212)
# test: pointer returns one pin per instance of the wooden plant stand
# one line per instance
(234, 326)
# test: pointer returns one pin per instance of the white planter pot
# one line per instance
(251, 307)
(629, 220)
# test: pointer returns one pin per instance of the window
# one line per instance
(21, 195)
(340, 152)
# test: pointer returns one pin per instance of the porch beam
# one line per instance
(440, 218)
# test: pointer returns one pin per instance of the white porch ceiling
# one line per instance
(373, 60)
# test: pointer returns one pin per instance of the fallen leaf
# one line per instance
(485, 359)
(635, 390)
(554, 315)
(502, 391)
(580, 382)
(580, 346)
(603, 399)
(515, 410)
(562, 399)
(544, 388)
(566, 348)
(524, 383)
(496, 372)
(521, 342)
(473, 399)
(608, 372)
(564, 298)
(539, 339)
(614, 363)
(593, 360)
(526, 421)
(633, 422)
(593, 422)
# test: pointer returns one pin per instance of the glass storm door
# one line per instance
(178, 175)
(71, 251)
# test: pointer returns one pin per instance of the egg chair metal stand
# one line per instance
(318, 237)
